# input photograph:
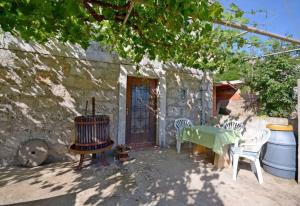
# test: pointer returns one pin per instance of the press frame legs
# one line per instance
(79, 167)
(103, 160)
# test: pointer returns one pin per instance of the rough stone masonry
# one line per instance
(42, 89)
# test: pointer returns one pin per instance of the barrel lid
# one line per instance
(278, 127)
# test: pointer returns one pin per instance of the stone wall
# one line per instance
(188, 93)
(253, 123)
(42, 89)
(41, 94)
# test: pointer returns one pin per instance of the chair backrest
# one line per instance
(262, 138)
(234, 125)
(257, 143)
(181, 123)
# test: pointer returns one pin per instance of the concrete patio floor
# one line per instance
(155, 177)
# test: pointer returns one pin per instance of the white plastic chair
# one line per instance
(236, 126)
(179, 124)
(251, 150)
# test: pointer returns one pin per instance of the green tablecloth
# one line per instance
(211, 137)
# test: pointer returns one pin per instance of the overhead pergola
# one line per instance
(257, 31)
(251, 29)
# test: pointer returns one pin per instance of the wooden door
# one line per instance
(141, 106)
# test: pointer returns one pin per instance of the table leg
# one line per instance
(222, 161)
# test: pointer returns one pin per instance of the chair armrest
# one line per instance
(250, 138)
(248, 141)
(239, 141)
(245, 144)
(250, 148)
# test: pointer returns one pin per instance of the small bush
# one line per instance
(274, 79)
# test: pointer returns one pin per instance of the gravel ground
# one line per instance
(154, 177)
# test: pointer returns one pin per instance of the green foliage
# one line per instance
(230, 74)
(274, 78)
(234, 68)
(173, 30)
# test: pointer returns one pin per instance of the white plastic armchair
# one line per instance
(236, 126)
(251, 151)
(179, 124)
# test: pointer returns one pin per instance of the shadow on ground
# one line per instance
(154, 177)
(68, 199)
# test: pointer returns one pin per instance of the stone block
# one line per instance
(174, 111)
(107, 71)
(73, 82)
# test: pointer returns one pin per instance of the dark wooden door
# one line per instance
(141, 111)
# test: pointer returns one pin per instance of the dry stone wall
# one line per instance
(186, 98)
(42, 89)
(41, 94)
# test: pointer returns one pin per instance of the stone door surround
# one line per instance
(144, 72)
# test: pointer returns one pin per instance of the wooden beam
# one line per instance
(275, 53)
(128, 13)
(257, 31)
(242, 33)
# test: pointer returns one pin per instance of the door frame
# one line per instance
(131, 80)
(152, 73)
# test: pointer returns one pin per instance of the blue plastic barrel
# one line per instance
(279, 153)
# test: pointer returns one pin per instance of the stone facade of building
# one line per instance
(42, 89)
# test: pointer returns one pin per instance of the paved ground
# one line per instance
(155, 177)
